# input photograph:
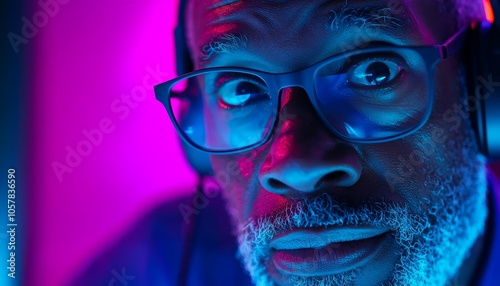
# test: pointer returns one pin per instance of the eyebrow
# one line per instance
(223, 44)
(365, 17)
(379, 17)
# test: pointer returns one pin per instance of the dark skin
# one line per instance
(303, 158)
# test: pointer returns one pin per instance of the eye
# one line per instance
(238, 92)
(374, 72)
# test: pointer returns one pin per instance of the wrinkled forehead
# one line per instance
(285, 21)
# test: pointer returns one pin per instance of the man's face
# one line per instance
(310, 209)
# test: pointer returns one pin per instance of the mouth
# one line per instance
(325, 251)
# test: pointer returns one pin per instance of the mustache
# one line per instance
(325, 211)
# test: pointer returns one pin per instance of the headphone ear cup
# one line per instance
(488, 89)
(484, 86)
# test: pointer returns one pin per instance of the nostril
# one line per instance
(301, 176)
(338, 178)
(275, 184)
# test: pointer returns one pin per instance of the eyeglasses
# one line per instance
(370, 95)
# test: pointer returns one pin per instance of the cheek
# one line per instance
(237, 176)
(412, 165)
(402, 164)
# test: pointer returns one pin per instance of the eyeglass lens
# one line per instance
(367, 96)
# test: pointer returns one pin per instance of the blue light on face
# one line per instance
(374, 97)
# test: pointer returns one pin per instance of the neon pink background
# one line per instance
(88, 55)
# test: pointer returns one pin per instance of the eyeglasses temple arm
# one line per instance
(162, 91)
(453, 44)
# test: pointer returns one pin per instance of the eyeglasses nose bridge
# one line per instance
(298, 79)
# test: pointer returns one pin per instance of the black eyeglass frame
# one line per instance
(304, 78)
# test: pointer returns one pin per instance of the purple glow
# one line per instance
(87, 56)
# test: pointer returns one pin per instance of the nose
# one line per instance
(304, 156)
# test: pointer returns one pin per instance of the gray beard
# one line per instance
(433, 243)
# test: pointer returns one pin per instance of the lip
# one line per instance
(324, 251)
